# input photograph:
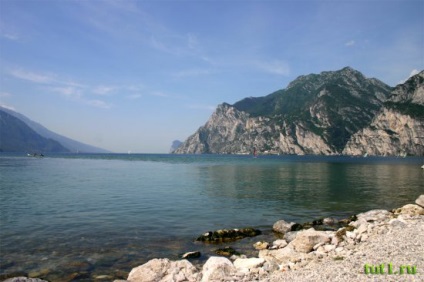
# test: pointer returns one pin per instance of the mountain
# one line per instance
(16, 136)
(175, 145)
(70, 144)
(398, 129)
(314, 114)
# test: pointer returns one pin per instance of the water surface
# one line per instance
(75, 217)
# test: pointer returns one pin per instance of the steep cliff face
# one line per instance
(316, 114)
(398, 129)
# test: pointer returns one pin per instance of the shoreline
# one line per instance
(385, 244)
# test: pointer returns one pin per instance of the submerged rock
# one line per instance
(226, 252)
(227, 235)
(24, 279)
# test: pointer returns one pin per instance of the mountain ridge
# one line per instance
(314, 114)
(70, 144)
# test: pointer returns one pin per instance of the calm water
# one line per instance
(82, 216)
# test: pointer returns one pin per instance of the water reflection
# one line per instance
(301, 190)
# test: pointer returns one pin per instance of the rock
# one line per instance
(226, 252)
(249, 263)
(410, 209)
(420, 201)
(330, 221)
(375, 215)
(261, 245)
(283, 255)
(290, 236)
(282, 226)
(279, 244)
(217, 269)
(191, 255)
(24, 279)
(329, 248)
(306, 240)
(163, 270)
(226, 235)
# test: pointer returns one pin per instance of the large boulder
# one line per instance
(420, 201)
(217, 269)
(156, 270)
(410, 209)
(306, 240)
(374, 215)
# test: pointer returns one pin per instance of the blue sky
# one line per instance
(135, 75)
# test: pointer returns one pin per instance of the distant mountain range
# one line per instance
(334, 112)
(20, 134)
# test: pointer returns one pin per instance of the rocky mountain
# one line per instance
(315, 114)
(16, 136)
(398, 129)
(175, 145)
(70, 144)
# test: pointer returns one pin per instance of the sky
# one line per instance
(135, 75)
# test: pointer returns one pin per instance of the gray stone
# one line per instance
(290, 236)
(282, 226)
(306, 240)
(420, 201)
(330, 221)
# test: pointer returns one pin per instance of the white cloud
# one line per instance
(413, 72)
(32, 76)
(275, 67)
(191, 73)
(350, 43)
(103, 90)
(98, 104)
(134, 96)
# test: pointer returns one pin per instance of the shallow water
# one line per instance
(76, 217)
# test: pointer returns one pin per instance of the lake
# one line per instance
(78, 217)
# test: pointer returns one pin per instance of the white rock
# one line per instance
(339, 249)
(282, 226)
(163, 269)
(350, 234)
(279, 243)
(248, 263)
(410, 209)
(305, 241)
(329, 248)
(420, 201)
(217, 268)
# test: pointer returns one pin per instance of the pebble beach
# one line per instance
(377, 245)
